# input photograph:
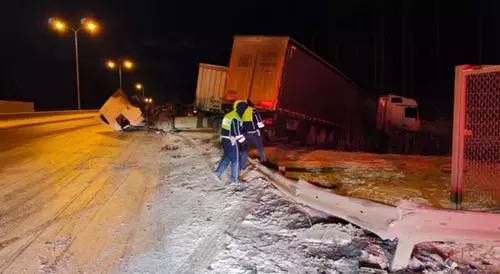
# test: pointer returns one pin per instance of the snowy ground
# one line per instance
(78, 197)
(206, 226)
(384, 178)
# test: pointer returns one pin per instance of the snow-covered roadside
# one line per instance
(200, 225)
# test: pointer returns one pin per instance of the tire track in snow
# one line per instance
(52, 182)
(203, 253)
(64, 220)
(195, 211)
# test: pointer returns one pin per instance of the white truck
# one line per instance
(397, 113)
(119, 113)
(210, 88)
(399, 122)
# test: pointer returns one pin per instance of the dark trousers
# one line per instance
(255, 140)
(230, 156)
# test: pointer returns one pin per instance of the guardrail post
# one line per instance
(403, 253)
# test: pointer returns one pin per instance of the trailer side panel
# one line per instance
(312, 88)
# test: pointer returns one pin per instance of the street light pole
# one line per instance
(77, 69)
(120, 64)
(120, 74)
(86, 24)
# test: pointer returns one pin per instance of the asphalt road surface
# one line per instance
(71, 194)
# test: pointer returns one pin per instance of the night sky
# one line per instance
(406, 47)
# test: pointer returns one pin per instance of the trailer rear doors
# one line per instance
(255, 69)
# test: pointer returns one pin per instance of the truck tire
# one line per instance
(302, 131)
(322, 137)
(217, 123)
(268, 136)
(312, 136)
(330, 139)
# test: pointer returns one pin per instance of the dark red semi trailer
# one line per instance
(300, 94)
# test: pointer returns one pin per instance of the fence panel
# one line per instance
(476, 138)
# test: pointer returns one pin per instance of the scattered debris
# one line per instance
(120, 113)
(170, 147)
(330, 233)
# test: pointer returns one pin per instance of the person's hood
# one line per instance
(237, 102)
(240, 108)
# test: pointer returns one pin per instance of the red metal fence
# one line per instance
(475, 181)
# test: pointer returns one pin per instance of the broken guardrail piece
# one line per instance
(409, 223)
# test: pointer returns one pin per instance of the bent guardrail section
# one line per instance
(409, 223)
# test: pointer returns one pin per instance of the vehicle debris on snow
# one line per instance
(119, 113)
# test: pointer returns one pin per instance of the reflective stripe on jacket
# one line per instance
(252, 120)
(232, 126)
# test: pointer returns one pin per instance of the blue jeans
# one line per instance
(230, 156)
(256, 141)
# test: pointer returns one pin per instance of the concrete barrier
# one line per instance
(13, 120)
(190, 122)
(16, 106)
(409, 223)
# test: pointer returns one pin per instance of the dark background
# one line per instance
(406, 47)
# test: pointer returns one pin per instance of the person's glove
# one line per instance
(233, 140)
(240, 138)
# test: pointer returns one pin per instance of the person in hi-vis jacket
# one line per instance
(252, 124)
(231, 137)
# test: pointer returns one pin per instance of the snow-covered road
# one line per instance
(71, 195)
(79, 197)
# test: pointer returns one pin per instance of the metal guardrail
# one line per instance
(409, 223)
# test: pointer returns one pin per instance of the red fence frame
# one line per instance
(459, 131)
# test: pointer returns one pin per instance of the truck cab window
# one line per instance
(396, 100)
(411, 112)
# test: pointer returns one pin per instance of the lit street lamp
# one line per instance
(86, 24)
(120, 63)
(148, 100)
(140, 87)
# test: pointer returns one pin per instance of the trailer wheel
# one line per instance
(312, 136)
(322, 137)
(216, 123)
(330, 139)
(302, 132)
(268, 136)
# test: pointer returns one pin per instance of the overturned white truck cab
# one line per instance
(397, 113)
(119, 113)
